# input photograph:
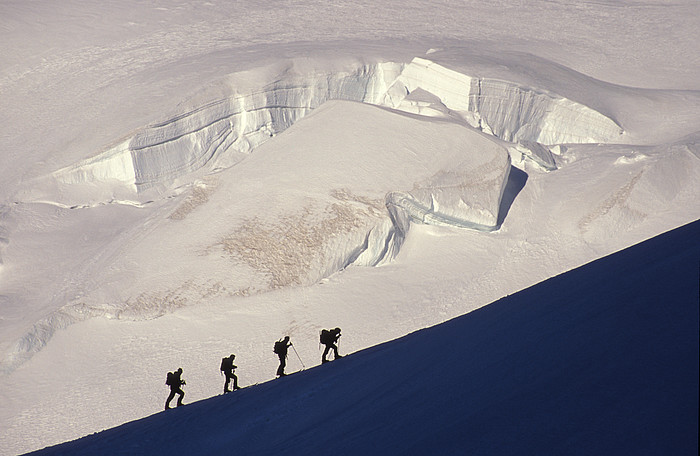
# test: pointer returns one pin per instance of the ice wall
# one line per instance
(505, 109)
(467, 196)
(220, 132)
(244, 120)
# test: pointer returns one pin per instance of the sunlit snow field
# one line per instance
(184, 180)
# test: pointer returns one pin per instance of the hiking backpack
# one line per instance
(279, 347)
(227, 364)
(326, 337)
(170, 379)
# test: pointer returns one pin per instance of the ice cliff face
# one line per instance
(466, 195)
(220, 132)
(507, 110)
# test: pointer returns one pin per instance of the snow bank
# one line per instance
(248, 116)
(306, 205)
(252, 106)
(291, 236)
(231, 126)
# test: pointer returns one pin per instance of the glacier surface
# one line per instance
(218, 132)
(260, 226)
(178, 164)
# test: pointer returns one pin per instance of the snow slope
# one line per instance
(142, 227)
(169, 162)
(602, 359)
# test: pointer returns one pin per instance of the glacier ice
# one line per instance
(251, 244)
(539, 154)
(219, 126)
(261, 226)
(467, 195)
(222, 124)
(509, 111)
(250, 107)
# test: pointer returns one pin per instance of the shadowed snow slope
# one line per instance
(599, 360)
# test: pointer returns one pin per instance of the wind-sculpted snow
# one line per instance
(219, 132)
(225, 130)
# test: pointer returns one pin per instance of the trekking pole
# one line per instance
(302, 362)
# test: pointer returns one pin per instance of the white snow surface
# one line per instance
(183, 180)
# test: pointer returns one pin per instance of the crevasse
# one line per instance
(218, 131)
(221, 132)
